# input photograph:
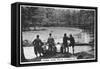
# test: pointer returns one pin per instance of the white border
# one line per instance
(55, 58)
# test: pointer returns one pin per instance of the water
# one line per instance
(57, 33)
(29, 51)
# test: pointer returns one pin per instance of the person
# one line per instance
(72, 42)
(58, 47)
(38, 46)
(51, 42)
(65, 43)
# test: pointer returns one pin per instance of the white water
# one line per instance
(29, 51)
(57, 33)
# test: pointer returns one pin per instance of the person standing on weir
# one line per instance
(65, 43)
(72, 42)
(38, 46)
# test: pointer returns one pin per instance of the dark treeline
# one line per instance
(47, 17)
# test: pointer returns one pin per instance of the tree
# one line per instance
(29, 16)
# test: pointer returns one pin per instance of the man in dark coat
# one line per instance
(65, 42)
(51, 43)
(37, 46)
(72, 42)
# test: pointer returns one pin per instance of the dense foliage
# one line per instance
(36, 16)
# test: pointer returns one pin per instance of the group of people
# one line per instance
(66, 44)
(51, 43)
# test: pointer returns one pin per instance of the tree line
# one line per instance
(37, 16)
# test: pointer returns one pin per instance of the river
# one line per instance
(58, 33)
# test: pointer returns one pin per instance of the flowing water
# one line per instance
(57, 33)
